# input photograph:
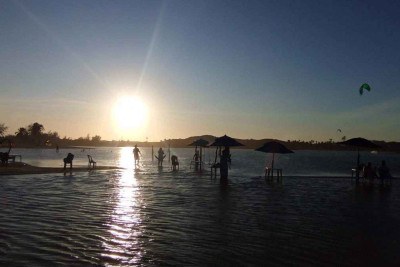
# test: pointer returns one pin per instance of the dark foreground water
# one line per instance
(161, 218)
(125, 218)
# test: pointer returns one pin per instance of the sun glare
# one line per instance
(130, 113)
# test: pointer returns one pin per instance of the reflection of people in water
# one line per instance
(136, 153)
(196, 155)
(161, 156)
(57, 148)
(174, 162)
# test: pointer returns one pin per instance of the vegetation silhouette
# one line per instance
(34, 135)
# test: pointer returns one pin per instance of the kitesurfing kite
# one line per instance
(363, 87)
(339, 130)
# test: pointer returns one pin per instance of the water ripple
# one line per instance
(125, 218)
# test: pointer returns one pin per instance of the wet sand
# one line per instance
(19, 168)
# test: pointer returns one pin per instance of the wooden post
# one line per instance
(169, 152)
(201, 158)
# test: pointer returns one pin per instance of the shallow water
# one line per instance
(159, 217)
(245, 163)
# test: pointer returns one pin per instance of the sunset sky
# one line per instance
(173, 69)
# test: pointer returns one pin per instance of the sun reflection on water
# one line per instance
(126, 159)
(124, 226)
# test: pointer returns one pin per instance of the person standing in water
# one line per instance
(224, 165)
(175, 162)
(160, 157)
(136, 153)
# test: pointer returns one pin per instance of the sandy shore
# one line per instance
(18, 168)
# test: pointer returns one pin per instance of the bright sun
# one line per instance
(130, 113)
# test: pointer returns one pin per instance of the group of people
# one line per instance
(224, 164)
(160, 158)
(370, 173)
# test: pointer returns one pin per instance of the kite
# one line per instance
(363, 87)
(339, 130)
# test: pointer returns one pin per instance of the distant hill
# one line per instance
(184, 142)
(255, 143)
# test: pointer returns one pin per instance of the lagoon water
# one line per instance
(152, 217)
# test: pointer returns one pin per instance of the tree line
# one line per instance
(34, 135)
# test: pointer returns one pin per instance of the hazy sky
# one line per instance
(249, 69)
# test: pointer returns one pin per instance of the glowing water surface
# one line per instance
(125, 222)
(155, 217)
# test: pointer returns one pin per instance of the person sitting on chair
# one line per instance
(174, 162)
(68, 160)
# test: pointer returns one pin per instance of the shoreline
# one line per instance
(21, 168)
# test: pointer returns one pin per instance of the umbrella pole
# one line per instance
(273, 159)
(358, 165)
(169, 152)
(196, 166)
(272, 166)
(201, 157)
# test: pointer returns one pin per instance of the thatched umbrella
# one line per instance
(274, 147)
(359, 142)
(199, 142)
(225, 141)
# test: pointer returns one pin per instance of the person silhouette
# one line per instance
(174, 162)
(136, 153)
(224, 165)
(161, 156)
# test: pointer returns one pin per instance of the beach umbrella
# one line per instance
(274, 147)
(199, 142)
(359, 143)
(225, 141)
